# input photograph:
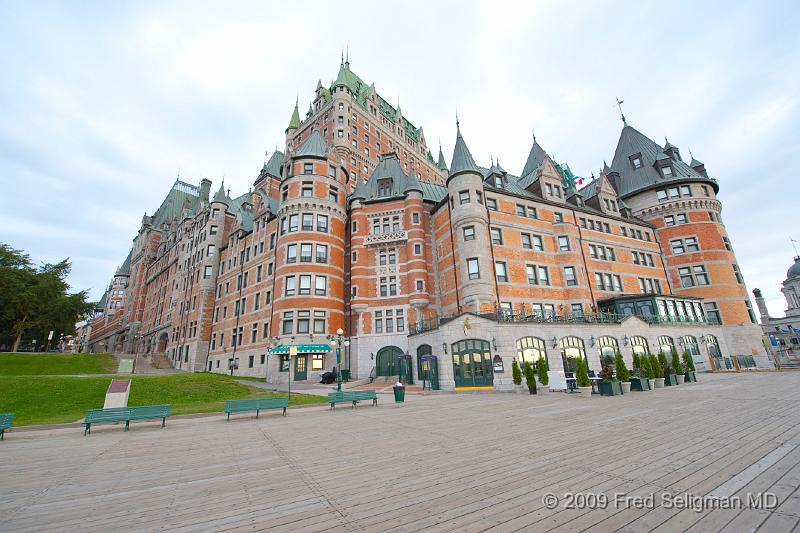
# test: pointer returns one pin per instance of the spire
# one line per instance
(441, 165)
(621, 114)
(462, 159)
(221, 197)
(294, 123)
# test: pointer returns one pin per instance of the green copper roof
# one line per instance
(441, 165)
(388, 167)
(534, 161)
(462, 159)
(274, 164)
(315, 146)
(172, 206)
(294, 123)
(125, 269)
(221, 196)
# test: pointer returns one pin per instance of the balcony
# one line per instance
(382, 239)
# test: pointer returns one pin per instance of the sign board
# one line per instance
(498, 364)
(292, 350)
(117, 394)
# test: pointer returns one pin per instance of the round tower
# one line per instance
(470, 230)
(309, 271)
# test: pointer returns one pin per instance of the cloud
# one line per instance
(104, 102)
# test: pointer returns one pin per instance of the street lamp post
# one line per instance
(337, 342)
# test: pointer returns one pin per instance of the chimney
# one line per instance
(762, 305)
(205, 190)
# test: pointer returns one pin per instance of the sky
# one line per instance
(104, 104)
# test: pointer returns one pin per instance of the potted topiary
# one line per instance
(657, 371)
(530, 377)
(670, 378)
(582, 378)
(688, 366)
(639, 379)
(677, 367)
(516, 376)
(541, 370)
(623, 374)
(610, 386)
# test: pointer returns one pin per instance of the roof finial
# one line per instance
(794, 245)
(534, 135)
(229, 192)
(621, 114)
(347, 56)
(458, 125)
(179, 174)
(690, 153)
(342, 62)
(491, 159)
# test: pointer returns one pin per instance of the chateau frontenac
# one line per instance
(435, 272)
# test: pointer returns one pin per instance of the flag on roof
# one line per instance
(577, 180)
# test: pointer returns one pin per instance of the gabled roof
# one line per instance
(632, 180)
(172, 206)
(274, 164)
(388, 167)
(315, 146)
(125, 269)
(462, 159)
(535, 158)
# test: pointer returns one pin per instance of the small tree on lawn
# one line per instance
(582, 373)
(655, 367)
(688, 362)
(516, 375)
(623, 374)
(541, 369)
(530, 377)
(676, 363)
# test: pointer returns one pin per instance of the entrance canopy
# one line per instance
(301, 348)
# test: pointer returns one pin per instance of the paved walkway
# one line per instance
(467, 462)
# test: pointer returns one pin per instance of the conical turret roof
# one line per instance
(315, 146)
(221, 196)
(294, 122)
(462, 158)
(441, 165)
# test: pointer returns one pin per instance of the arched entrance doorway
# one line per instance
(666, 345)
(639, 345)
(162, 342)
(472, 363)
(387, 361)
(423, 349)
(530, 349)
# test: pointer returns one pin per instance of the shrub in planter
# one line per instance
(677, 368)
(688, 366)
(636, 363)
(530, 377)
(541, 370)
(669, 375)
(610, 386)
(623, 374)
(656, 370)
(516, 375)
(582, 378)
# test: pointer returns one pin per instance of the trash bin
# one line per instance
(399, 393)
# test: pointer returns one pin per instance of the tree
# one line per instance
(655, 366)
(676, 363)
(688, 362)
(35, 300)
(582, 373)
(662, 362)
(530, 377)
(541, 369)
(623, 374)
(516, 375)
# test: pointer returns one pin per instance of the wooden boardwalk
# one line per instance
(465, 462)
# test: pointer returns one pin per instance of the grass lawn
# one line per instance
(52, 400)
(39, 364)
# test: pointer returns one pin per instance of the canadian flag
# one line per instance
(578, 180)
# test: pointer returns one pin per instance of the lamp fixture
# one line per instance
(494, 343)
(555, 342)
(591, 341)
(625, 340)
(444, 347)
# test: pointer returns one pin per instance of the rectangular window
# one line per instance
(420, 285)
(532, 212)
(322, 253)
(530, 271)
(569, 276)
(308, 168)
(737, 273)
(526, 241)
(333, 194)
(307, 191)
(544, 276)
(322, 223)
(491, 204)
(308, 222)
(415, 218)
(500, 271)
(463, 197)
(469, 233)
(290, 285)
(497, 235)
(563, 243)
(321, 287)
(677, 246)
(558, 218)
(669, 220)
(520, 210)
(473, 269)
(680, 218)
(712, 312)
(207, 271)
(291, 253)
(293, 222)
(305, 285)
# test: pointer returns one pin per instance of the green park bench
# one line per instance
(6, 420)
(126, 414)
(352, 396)
(255, 404)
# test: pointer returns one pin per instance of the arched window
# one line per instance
(666, 344)
(608, 347)
(572, 348)
(690, 345)
(639, 345)
(530, 349)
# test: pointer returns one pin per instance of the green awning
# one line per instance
(302, 348)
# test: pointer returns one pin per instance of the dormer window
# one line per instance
(384, 187)
(498, 181)
(666, 171)
(636, 161)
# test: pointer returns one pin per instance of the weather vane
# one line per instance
(621, 114)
